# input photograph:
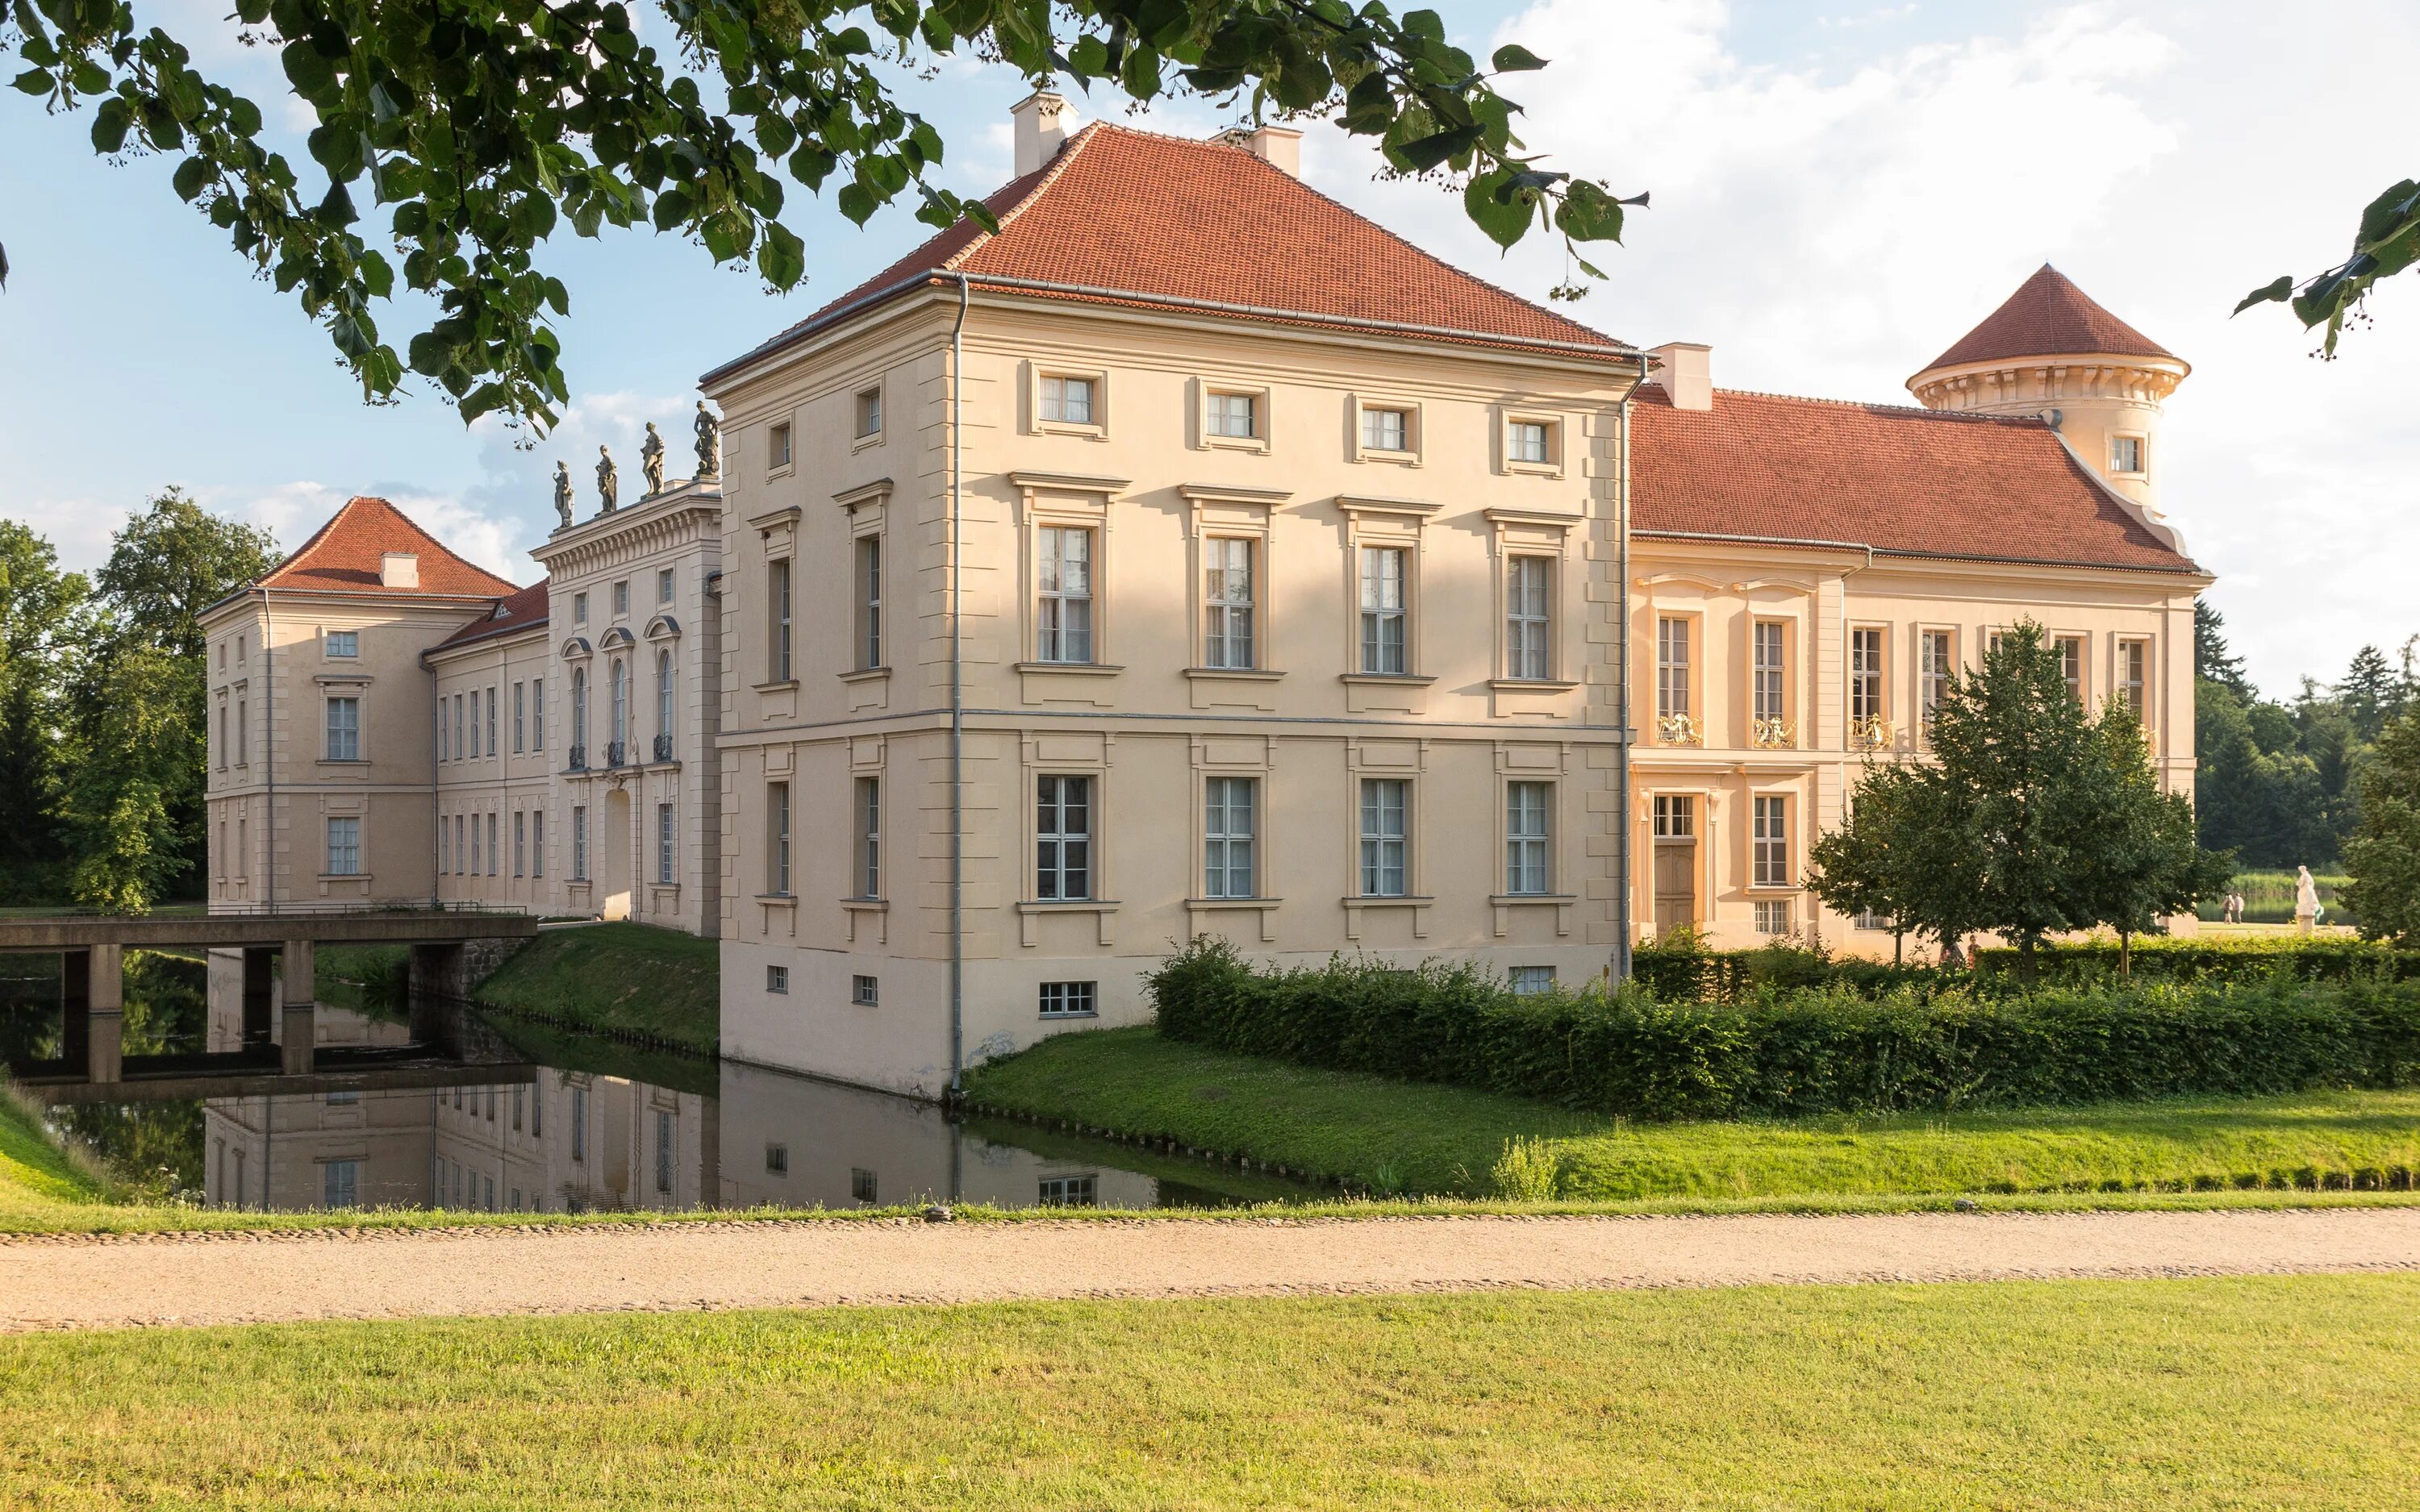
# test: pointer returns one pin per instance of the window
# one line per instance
(2070, 664)
(1237, 415)
(580, 843)
(777, 843)
(1068, 1191)
(777, 981)
(666, 1141)
(1768, 683)
(580, 608)
(777, 445)
(866, 992)
(1228, 830)
(2125, 454)
(1933, 672)
(493, 747)
(1064, 616)
(537, 842)
(664, 704)
(240, 655)
(495, 851)
(667, 850)
(1867, 918)
(471, 731)
(1383, 610)
(580, 1124)
(1772, 916)
(1068, 999)
(1530, 441)
(1524, 618)
(1067, 400)
(345, 846)
(618, 707)
(776, 598)
(578, 716)
(1672, 669)
(868, 575)
(1864, 676)
(340, 1183)
(474, 846)
(869, 412)
(777, 1160)
(461, 847)
(861, 1185)
(341, 643)
(521, 842)
(1526, 809)
(517, 1090)
(1529, 981)
(867, 811)
(1385, 841)
(1676, 816)
(445, 845)
(226, 739)
(622, 598)
(242, 732)
(1386, 430)
(1771, 841)
(1226, 597)
(461, 730)
(2133, 677)
(345, 730)
(538, 714)
(520, 722)
(1063, 838)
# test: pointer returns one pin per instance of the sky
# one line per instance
(1838, 194)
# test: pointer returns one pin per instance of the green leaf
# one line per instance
(2279, 290)
(1515, 58)
(1588, 213)
(109, 125)
(781, 257)
(193, 175)
(856, 203)
(1505, 219)
(33, 82)
(1421, 154)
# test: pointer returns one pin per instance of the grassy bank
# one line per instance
(41, 1183)
(626, 978)
(2204, 1395)
(1385, 1135)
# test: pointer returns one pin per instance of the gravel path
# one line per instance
(235, 1278)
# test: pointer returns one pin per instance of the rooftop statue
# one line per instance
(609, 482)
(563, 493)
(651, 461)
(709, 442)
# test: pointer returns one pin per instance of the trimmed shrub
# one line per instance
(2171, 959)
(1791, 1052)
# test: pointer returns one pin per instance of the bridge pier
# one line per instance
(297, 1009)
(437, 980)
(92, 1010)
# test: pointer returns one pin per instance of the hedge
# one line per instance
(2323, 959)
(1792, 1052)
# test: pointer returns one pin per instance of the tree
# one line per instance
(137, 736)
(2384, 854)
(2144, 862)
(2212, 660)
(2368, 693)
(1889, 858)
(39, 610)
(2384, 244)
(476, 127)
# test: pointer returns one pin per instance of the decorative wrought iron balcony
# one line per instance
(578, 758)
(1678, 729)
(1774, 735)
(616, 752)
(663, 748)
(1872, 733)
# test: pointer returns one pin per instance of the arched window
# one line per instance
(580, 707)
(665, 694)
(621, 702)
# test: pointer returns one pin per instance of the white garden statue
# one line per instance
(2307, 900)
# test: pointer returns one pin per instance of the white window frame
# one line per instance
(1551, 433)
(865, 414)
(1229, 578)
(1069, 999)
(1230, 836)
(1066, 858)
(1375, 613)
(1362, 412)
(2132, 683)
(344, 727)
(865, 836)
(342, 645)
(780, 603)
(1675, 665)
(538, 714)
(521, 719)
(865, 573)
(1934, 674)
(1528, 838)
(1384, 869)
(2142, 444)
(344, 858)
(2072, 668)
(667, 584)
(667, 846)
(1869, 674)
(1057, 605)
(1769, 841)
(1050, 391)
(1768, 669)
(537, 842)
(780, 448)
(1212, 412)
(1529, 616)
(776, 839)
(580, 843)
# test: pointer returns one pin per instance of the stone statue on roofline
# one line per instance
(709, 442)
(563, 493)
(609, 481)
(651, 461)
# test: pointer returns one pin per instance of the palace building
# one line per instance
(1194, 556)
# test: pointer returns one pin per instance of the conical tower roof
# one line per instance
(2049, 316)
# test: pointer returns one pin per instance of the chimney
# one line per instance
(400, 569)
(1279, 147)
(1685, 369)
(1042, 121)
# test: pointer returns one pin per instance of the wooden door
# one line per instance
(1676, 885)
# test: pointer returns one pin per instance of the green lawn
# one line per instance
(1385, 1135)
(629, 976)
(40, 1185)
(2204, 1395)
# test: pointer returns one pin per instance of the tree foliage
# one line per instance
(40, 615)
(2383, 856)
(2384, 243)
(474, 130)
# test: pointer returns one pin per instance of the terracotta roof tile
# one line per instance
(522, 610)
(1901, 479)
(344, 556)
(2048, 317)
(1161, 218)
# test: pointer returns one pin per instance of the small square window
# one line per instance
(664, 586)
(340, 643)
(777, 980)
(1386, 430)
(2126, 453)
(580, 608)
(1235, 415)
(1527, 981)
(621, 596)
(1772, 916)
(1068, 999)
(861, 1185)
(866, 991)
(777, 445)
(777, 1160)
(869, 412)
(1530, 441)
(1068, 400)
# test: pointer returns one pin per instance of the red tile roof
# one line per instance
(1149, 220)
(1905, 481)
(2048, 317)
(345, 556)
(524, 608)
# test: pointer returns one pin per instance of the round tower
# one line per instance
(2051, 351)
